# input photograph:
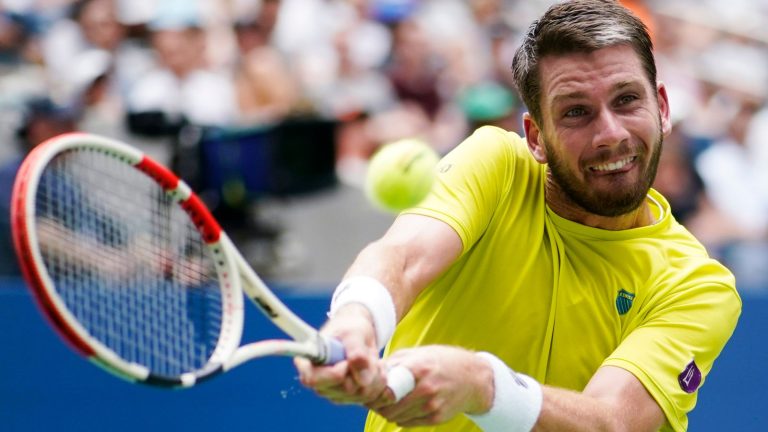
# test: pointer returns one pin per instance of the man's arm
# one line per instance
(451, 381)
(413, 252)
(614, 400)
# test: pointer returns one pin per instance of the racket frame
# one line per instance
(235, 275)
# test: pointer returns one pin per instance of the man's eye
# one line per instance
(627, 99)
(575, 112)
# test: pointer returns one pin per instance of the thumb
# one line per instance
(362, 359)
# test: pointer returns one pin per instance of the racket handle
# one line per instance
(335, 351)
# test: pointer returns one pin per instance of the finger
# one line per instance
(339, 395)
(348, 392)
(409, 413)
(400, 382)
(362, 369)
(340, 384)
(399, 355)
(304, 368)
(363, 359)
(321, 377)
(375, 389)
(338, 381)
(379, 403)
(417, 406)
(302, 365)
(412, 414)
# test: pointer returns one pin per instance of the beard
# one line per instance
(620, 200)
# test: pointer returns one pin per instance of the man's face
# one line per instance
(602, 128)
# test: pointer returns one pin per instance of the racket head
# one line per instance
(125, 261)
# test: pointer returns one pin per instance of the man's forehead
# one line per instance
(577, 74)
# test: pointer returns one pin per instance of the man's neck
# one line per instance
(642, 216)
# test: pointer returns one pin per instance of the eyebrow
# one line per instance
(562, 98)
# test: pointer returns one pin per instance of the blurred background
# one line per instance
(272, 108)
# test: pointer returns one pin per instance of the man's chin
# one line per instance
(613, 206)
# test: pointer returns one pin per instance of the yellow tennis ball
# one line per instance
(400, 174)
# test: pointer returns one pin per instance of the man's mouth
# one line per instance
(613, 166)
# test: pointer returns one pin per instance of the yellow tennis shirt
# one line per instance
(556, 299)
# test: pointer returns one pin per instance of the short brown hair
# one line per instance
(577, 26)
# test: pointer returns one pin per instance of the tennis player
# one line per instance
(544, 285)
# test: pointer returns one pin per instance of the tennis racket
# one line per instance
(135, 273)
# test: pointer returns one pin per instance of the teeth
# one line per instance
(613, 166)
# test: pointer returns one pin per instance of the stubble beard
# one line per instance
(616, 202)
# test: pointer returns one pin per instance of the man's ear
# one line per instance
(534, 138)
(664, 111)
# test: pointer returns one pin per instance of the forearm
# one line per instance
(613, 400)
(415, 251)
(569, 411)
(388, 264)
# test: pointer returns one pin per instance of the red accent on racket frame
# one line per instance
(193, 205)
(202, 218)
(27, 263)
(164, 177)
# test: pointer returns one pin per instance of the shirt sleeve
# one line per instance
(471, 181)
(681, 333)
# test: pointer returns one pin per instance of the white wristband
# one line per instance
(370, 293)
(517, 400)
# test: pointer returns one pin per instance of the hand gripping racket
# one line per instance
(135, 273)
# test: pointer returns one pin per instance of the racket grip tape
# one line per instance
(335, 351)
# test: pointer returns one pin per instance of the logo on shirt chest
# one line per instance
(624, 300)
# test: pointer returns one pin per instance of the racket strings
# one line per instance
(128, 263)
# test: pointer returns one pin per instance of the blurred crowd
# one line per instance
(145, 70)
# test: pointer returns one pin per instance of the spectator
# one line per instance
(15, 34)
(41, 120)
(727, 164)
(490, 103)
(677, 178)
(265, 88)
(91, 24)
(358, 96)
(182, 88)
(415, 70)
